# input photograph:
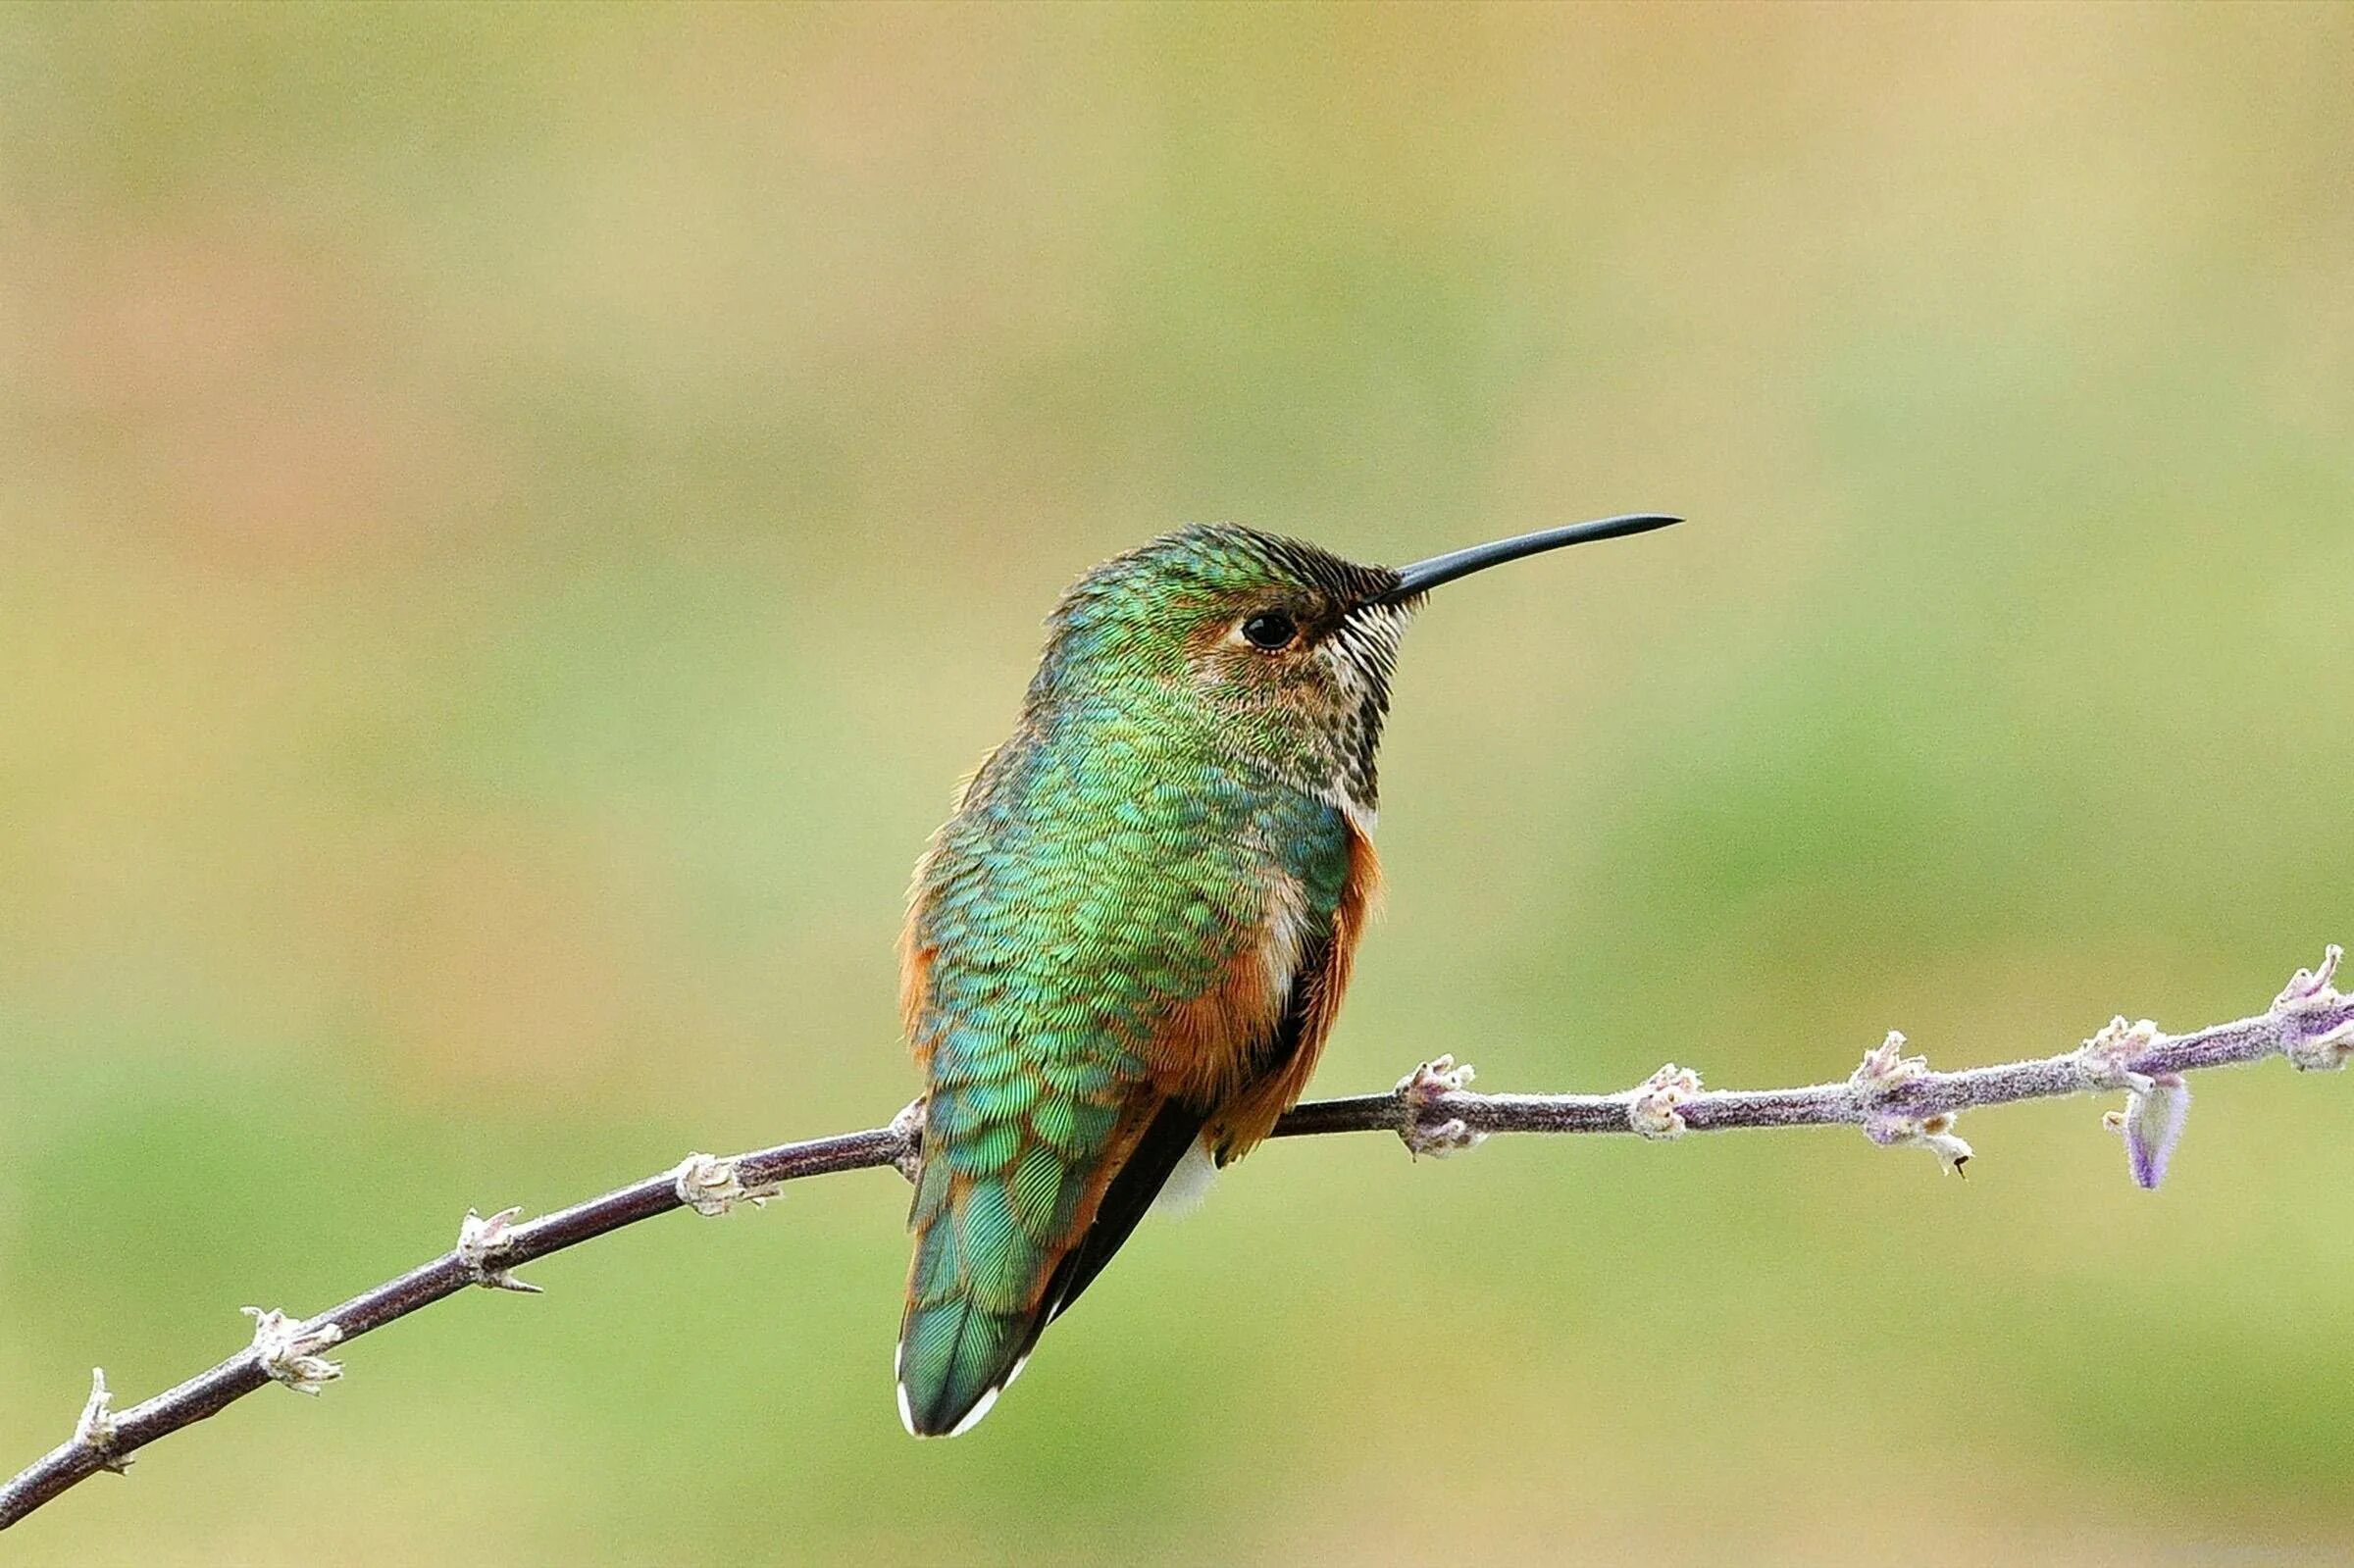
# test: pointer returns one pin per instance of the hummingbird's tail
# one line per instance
(953, 1361)
(1001, 1252)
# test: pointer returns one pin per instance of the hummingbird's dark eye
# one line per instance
(1269, 629)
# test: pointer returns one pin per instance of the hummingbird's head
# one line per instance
(1268, 649)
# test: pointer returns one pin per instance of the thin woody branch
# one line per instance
(1894, 1098)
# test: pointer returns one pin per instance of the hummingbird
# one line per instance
(1126, 946)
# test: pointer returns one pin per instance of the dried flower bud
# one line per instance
(1418, 1090)
(1933, 1133)
(2317, 1025)
(483, 1242)
(2309, 985)
(711, 1186)
(95, 1430)
(287, 1348)
(1651, 1110)
(1886, 1065)
(2106, 1058)
(2152, 1125)
(908, 1125)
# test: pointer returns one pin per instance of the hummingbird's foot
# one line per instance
(711, 1186)
(287, 1348)
(481, 1243)
(1651, 1110)
(1424, 1133)
(1884, 1070)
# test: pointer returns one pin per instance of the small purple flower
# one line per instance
(2152, 1123)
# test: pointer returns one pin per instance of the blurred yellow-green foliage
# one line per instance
(513, 520)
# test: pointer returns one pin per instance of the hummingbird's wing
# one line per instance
(1037, 1165)
(1273, 1074)
(1086, 992)
(1174, 1128)
(1241, 1120)
(1287, 1054)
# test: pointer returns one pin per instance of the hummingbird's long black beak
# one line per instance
(1423, 576)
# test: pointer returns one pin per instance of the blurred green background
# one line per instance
(514, 520)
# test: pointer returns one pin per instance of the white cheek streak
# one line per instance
(1188, 1185)
(1341, 668)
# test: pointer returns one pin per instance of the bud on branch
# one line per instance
(1895, 1099)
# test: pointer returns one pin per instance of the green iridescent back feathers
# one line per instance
(1170, 794)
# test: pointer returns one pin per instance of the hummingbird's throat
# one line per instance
(1360, 653)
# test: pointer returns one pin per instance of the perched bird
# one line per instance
(1124, 951)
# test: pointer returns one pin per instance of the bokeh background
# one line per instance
(513, 520)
